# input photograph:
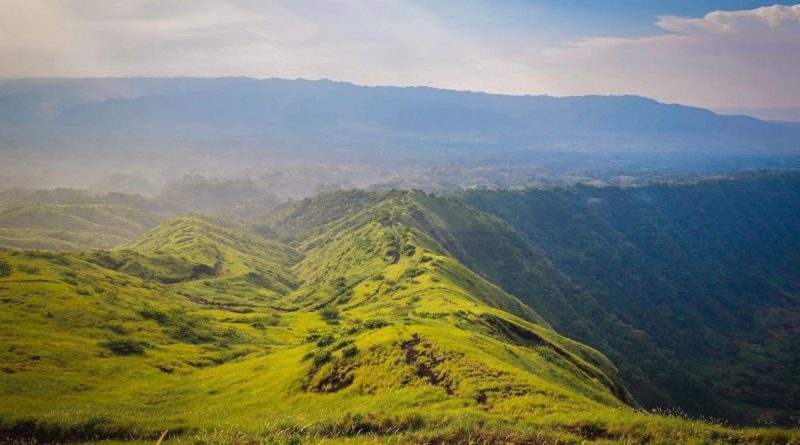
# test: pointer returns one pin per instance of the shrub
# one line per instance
(31, 270)
(376, 324)
(329, 314)
(118, 329)
(152, 313)
(5, 269)
(412, 272)
(325, 340)
(350, 351)
(187, 328)
(342, 344)
(320, 358)
(340, 282)
(125, 346)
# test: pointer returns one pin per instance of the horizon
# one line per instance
(347, 82)
(706, 54)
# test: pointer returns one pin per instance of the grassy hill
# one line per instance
(355, 323)
(73, 226)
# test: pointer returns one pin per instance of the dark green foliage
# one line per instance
(375, 324)
(705, 271)
(350, 351)
(340, 283)
(320, 358)
(31, 270)
(325, 340)
(186, 327)
(125, 346)
(156, 314)
(329, 314)
(342, 344)
(118, 329)
(5, 269)
(412, 272)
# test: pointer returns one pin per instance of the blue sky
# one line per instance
(735, 53)
(579, 18)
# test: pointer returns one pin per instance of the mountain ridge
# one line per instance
(372, 301)
(396, 328)
(467, 123)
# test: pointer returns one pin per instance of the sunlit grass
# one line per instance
(419, 348)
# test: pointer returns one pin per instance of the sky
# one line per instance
(734, 53)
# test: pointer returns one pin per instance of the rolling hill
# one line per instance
(73, 226)
(348, 318)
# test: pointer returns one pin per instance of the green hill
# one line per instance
(73, 226)
(362, 328)
(706, 272)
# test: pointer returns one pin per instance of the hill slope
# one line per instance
(365, 329)
(73, 226)
(406, 329)
(706, 271)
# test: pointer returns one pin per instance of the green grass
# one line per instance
(73, 226)
(364, 331)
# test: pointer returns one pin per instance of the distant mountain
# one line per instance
(337, 120)
(785, 114)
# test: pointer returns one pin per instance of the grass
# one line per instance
(73, 226)
(340, 342)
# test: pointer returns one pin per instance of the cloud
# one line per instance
(722, 59)
(737, 58)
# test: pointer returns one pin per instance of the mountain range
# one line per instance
(327, 120)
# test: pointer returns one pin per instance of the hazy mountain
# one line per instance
(785, 114)
(336, 120)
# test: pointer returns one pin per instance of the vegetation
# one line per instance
(363, 320)
(690, 288)
(72, 226)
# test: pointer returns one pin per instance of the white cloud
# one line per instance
(722, 59)
(739, 58)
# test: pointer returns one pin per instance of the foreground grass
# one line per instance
(365, 332)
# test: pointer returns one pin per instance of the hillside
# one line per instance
(206, 328)
(706, 272)
(73, 226)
